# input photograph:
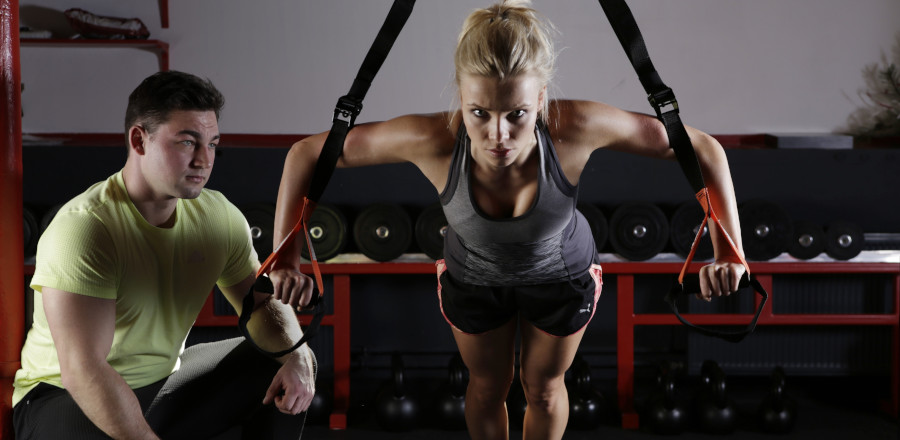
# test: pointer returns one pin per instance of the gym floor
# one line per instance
(827, 409)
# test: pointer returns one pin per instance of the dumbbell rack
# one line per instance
(867, 263)
(345, 266)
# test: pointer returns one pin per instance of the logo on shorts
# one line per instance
(586, 309)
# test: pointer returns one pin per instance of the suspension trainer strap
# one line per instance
(664, 103)
(346, 110)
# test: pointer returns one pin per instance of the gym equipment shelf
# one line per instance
(160, 48)
(343, 267)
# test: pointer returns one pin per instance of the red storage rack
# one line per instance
(625, 272)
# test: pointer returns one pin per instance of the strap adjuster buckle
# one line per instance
(665, 98)
(347, 109)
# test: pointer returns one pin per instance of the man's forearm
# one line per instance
(108, 401)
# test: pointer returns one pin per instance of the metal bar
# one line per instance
(625, 337)
(12, 277)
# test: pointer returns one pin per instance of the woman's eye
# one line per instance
(479, 113)
(517, 114)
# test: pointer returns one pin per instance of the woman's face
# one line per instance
(500, 116)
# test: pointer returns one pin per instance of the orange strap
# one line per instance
(709, 213)
(302, 223)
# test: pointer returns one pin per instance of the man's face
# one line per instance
(178, 157)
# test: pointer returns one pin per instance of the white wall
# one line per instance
(749, 66)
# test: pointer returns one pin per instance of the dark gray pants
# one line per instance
(219, 386)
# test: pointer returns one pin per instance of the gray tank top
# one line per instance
(551, 242)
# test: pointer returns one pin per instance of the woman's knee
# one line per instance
(489, 389)
(544, 393)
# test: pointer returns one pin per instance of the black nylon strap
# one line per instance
(345, 113)
(664, 103)
(660, 96)
(349, 105)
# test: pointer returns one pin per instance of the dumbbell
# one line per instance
(684, 226)
(383, 231)
(598, 223)
(327, 232)
(431, 227)
(766, 229)
(261, 219)
(638, 231)
(807, 240)
(843, 240)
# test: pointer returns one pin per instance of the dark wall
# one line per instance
(401, 312)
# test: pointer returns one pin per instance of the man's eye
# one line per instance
(188, 143)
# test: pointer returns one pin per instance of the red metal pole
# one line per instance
(12, 258)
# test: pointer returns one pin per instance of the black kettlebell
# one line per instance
(664, 414)
(516, 404)
(587, 407)
(777, 412)
(715, 411)
(395, 410)
(320, 408)
(450, 406)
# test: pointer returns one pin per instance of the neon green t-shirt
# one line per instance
(99, 245)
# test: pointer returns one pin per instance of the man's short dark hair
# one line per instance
(159, 94)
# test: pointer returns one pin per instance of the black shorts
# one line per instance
(558, 309)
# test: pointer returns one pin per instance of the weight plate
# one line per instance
(683, 227)
(383, 231)
(327, 231)
(261, 218)
(31, 232)
(48, 216)
(431, 227)
(843, 240)
(766, 229)
(807, 241)
(599, 226)
(638, 231)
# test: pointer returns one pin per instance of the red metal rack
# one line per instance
(627, 319)
(625, 272)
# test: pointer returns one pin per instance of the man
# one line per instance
(121, 274)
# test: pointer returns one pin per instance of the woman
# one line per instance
(507, 166)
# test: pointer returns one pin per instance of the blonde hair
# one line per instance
(505, 40)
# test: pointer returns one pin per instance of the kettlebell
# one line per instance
(450, 406)
(395, 410)
(587, 407)
(715, 411)
(664, 414)
(321, 405)
(777, 412)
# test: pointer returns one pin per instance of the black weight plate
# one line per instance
(599, 226)
(808, 240)
(31, 232)
(431, 226)
(261, 218)
(843, 240)
(638, 231)
(383, 231)
(48, 216)
(766, 229)
(683, 228)
(327, 231)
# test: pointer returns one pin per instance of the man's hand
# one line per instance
(294, 386)
(292, 287)
(720, 278)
